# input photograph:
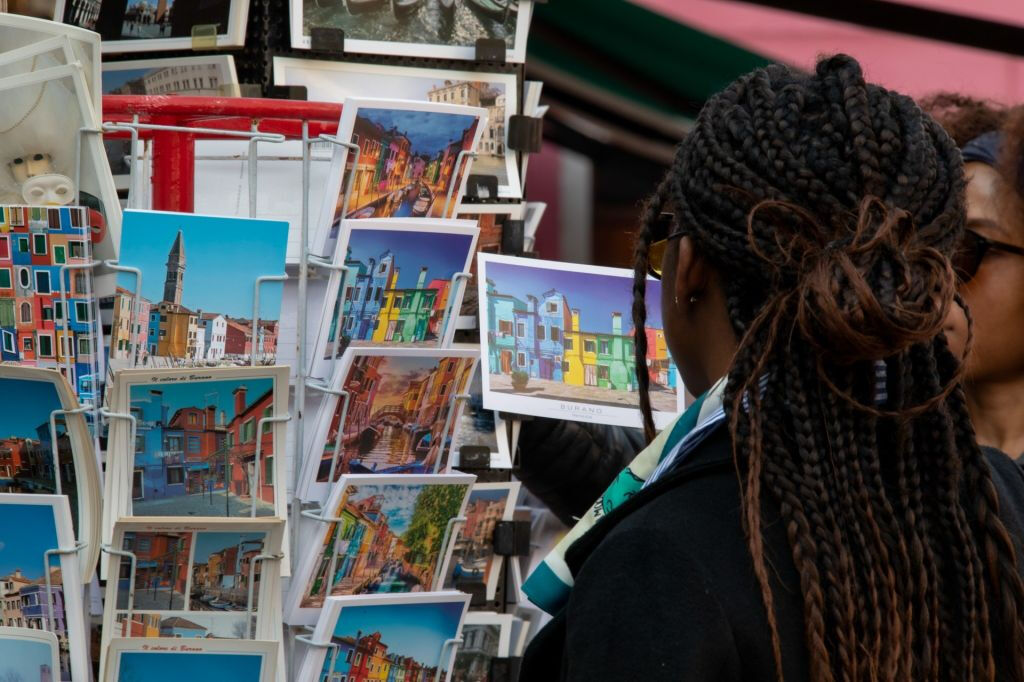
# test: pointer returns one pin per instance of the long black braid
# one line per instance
(829, 208)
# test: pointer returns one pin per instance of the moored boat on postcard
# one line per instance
(360, 6)
(495, 9)
(403, 8)
(422, 203)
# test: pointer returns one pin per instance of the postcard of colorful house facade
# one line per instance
(410, 156)
(162, 660)
(485, 636)
(393, 537)
(27, 462)
(473, 559)
(559, 342)
(37, 244)
(330, 81)
(399, 418)
(194, 580)
(34, 524)
(398, 288)
(386, 637)
(196, 301)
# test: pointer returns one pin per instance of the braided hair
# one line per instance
(829, 208)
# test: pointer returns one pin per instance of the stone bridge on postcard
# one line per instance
(391, 415)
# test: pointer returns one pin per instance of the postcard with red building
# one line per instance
(474, 565)
(194, 580)
(393, 534)
(402, 409)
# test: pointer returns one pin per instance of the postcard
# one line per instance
(390, 538)
(330, 81)
(28, 36)
(27, 654)
(48, 312)
(399, 289)
(27, 454)
(409, 162)
(195, 306)
(477, 425)
(33, 525)
(199, 450)
(485, 637)
(415, 28)
(43, 113)
(397, 637)
(534, 214)
(559, 342)
(401, 412)
(473, 559)
(194, 580)
(141, 26)
(162, 660)
(51, 10)
(491, 219)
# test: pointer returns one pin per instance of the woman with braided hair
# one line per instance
(822, 512)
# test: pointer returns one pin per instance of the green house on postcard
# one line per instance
(615, 361)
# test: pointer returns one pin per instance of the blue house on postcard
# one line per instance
(553, 319)
(527, 351)
(159, 470)
(502, 310)
(342, 661)
(363, 298)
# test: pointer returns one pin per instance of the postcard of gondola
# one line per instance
(399, 288)
(474, 561)
(399, 416)
(382, 534)
(34, 525)
(27, 654)
(27, 450)
(441, 29)
(196, 303)
(412, 162)
(192, 580)
(558, 342)
(485, 637)
(166, 660)
(331, 81)
(415, 631)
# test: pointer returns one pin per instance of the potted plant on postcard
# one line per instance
(519, 380)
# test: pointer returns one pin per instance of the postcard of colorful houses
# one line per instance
(410, 159)
(485, 637)
(398, 288)
(29, 462)
(196, 302)
(473, 559)
(48, 311)
(27, 654)
(165, 660)
(386, 637)
(384, 534)
(328, 81)
(443, 30)
(399, 417)
(33, 525)
(194, 580)
(558, 342)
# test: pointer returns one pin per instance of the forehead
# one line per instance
(989, 198)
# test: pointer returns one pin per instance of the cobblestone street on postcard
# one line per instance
(661, 400)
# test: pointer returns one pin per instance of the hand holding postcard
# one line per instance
(398, 419)
(559, 342)
(408, 162)
(383, 534)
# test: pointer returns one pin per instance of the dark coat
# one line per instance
(665, 588)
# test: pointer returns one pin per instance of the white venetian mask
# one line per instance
(51, 189)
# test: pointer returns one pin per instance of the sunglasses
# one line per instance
(973, 248)
(664, 230)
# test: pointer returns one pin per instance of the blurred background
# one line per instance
(624, 81)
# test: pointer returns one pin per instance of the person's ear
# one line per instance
(692, 275)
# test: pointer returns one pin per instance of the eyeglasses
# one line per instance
(973, 248)
(664, 230)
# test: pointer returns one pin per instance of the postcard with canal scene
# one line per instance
(411, 162)
(478, 426)
(558, 342)
(33, 581)
(398, 418)
(398, 637)
(194, 581)
(329, 81)
(485, 637)
(27, 654)
(474, 562)
(502, 230)
(399, 288)
(27, 454)
(144, 659)
(196, 301)
(385, 534)
(442, 29)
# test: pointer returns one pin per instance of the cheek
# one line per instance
(996, 300)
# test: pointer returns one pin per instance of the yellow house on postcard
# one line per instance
(580, 355)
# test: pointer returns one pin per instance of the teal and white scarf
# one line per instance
(551, 582)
